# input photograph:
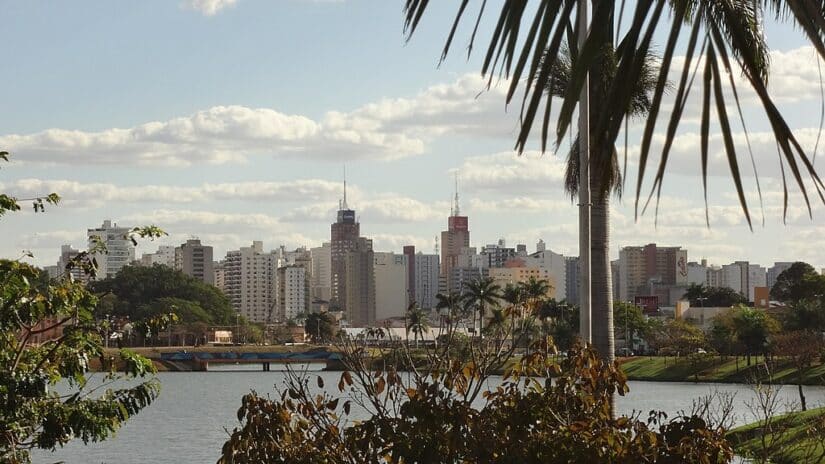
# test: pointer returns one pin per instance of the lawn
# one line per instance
(797, 438)
(717, 369)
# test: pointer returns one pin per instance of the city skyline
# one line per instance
(231, 146)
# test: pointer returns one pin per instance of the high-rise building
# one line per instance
(453, 241)
(496, 255)
(67, 254)
(165, 256)
(220, 274)
(321, 275)
(409, 252)
(359, 284)
(293, 292)
(555, 265)
(391, 285)
(249, 281)
(426, 280)
(120, 251)
(196, 261)
(640, 266)
(344, 237)
(513, 275)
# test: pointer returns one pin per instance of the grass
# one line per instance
(716, 369)
(798, 437)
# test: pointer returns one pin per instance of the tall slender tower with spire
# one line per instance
(351, 267)
(456, 237)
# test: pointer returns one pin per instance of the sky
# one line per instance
(233, 121)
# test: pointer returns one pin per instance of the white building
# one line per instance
(293, 293)
(427, 271)
(67, 253)
(391, 292)
(165, 255)
(556, 267)
(249, 281)
(321, 275)
(120, 251)
(743, 277)
(697, 273)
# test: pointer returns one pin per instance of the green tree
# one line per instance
(321, 327)
(479, 295)
(798, 282)
(416, 322)
(712, 297)
(728, 37)
(629, 321)
(32, 412)
(753, 328)
(808, 314)
(142, 291)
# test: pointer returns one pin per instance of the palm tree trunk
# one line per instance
(602, 288)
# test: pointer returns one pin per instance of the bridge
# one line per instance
(200, 360)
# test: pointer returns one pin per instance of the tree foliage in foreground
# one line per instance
(35, 414)
(444, 412)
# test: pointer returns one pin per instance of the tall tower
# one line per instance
(456, 237)
(344, 235)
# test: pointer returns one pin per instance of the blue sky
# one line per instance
(233, 124)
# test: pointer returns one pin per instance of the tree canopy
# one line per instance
(711, 297)
(144, 292)
(798, 282)
(321, 327)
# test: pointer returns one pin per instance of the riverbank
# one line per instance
(797, 437)
(708, 369)
(717, 369)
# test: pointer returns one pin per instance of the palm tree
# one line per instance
(451, 302)
(727, 37)
(481, 292)
(514, 295)
(535, 290)
(416, 321)
(497, 324)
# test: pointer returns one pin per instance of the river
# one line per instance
(188, 422)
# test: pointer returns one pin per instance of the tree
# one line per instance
(628, 318)
(416, 322)
(33, 414)
(732, 42)
(798, 282)
(753, 328)
(142, 291)
(446, 415)
(808, 314)
(320, 327)
(713, 297)
(480, 294)
(802, 347)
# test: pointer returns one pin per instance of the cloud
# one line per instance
(94, 194)
(512, 173)
(207, 7)
(385, 130)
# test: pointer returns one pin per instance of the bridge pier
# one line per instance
(266, 366)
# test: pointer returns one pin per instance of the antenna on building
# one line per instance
(457, 208)
(345, 187)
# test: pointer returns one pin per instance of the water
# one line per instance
(188, 422)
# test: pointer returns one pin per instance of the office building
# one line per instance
(119, 249)
(196, 261)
